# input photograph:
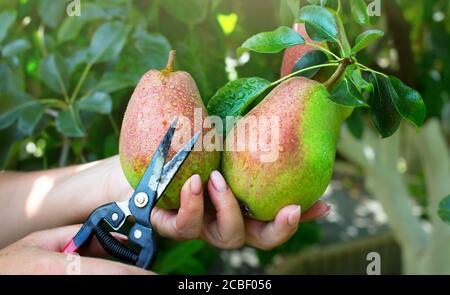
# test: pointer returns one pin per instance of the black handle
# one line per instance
(114, 247)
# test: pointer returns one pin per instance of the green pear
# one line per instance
(158, 99)
(308, 125)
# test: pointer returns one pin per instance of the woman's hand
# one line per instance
(40, 253)
(224, 226)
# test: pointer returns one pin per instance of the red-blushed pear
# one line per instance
(158, 99)
(308, 127)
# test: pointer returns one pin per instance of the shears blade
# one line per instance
(171, 168)
(152, 175)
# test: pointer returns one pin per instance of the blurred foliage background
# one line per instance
(64, 80)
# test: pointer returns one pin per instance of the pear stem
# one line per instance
(338, 74)
(170, 61)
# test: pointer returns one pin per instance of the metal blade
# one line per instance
(152, 174)
(171, 168)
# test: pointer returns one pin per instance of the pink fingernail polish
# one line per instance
(218, 181)
(195, 185)
(294, 216)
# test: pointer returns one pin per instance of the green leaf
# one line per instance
(320, 23)
(108, 41)
(112, 81)
(355, 124)
(15, 47)
(190, 12)
(364, 39)
(9, 117)
(54, 74)
(359, 12)
(152, 50)
(52, 12)
(444, 209)
(7, 18)
(99, 102)
(71, 26)
(274, 41)
(233, 98)
(347, 94)
(68, 122)
(312, 58)
(360, 82)
(383, 111)
(409, 102)
(30, 117)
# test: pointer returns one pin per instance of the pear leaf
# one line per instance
(274, 41)
(385, 116)
(233, 98)
(365, 38)
(444, 209)
(319, 22)
(409, 102)
(347, 94)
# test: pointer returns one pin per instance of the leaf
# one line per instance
(99, 102)
(7, 18)
(112, 81)
(359, 12)
(233, 98)
(320, 23)
(54, 74)
(52, 12)
(15, 47)
(274, 41)
(9, 117)
(71, 26)
(355, 124)
(310, 59)
(364, 39)
(108, 41)
(30, 117)
(444, 209)
(360, 82)
(410, 104)
(190, 12)
(68, 122)
(347, 94)
(384, 114)
(152, 50)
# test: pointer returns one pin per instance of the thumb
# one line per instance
(53, 239)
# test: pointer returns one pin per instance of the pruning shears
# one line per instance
(136, 210)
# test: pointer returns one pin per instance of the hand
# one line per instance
(225, 227)
(39, 253)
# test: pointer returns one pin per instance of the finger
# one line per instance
(268, 235)
(319, 210)
(46, 262)
(53, 239)
(97, 266)
(187, 222)
(226, 228)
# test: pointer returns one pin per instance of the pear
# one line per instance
(157, 100)
(308, 124)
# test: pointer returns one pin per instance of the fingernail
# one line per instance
(195, 185)
(218, 181)
(326, 212)
(294, 216)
